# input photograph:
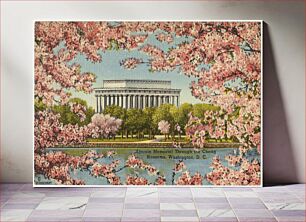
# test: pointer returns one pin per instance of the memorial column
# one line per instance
(105, 101)
(139, 102)
(97, 108)
(131, 101)
(124, 101)
(153, 101)
(144, 101)
(117, 100)
(127, 97)
(149, 101)
(113, 100)
(134, 101)
(101, 105)
(108, 100)
(121, 101)
(128, 102)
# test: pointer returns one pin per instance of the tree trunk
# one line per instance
(226, 129)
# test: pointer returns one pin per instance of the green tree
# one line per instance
(120, 113)
(150, 126)
(163, 113)
(181, 114)
(174, 111)
(135, 122)
(115, 111)
(199, 109)
(67, 116)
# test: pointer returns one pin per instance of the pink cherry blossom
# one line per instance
(164, 126)
(104, 126)
(164, 37)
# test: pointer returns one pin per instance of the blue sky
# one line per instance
(110, 68)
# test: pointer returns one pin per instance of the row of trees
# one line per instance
(135, 122)
(140, 122)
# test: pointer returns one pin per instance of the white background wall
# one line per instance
(284, 74)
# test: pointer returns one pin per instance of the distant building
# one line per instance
(135, 94)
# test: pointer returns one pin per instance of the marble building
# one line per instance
(135, 94)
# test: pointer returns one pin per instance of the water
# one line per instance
(163, 159)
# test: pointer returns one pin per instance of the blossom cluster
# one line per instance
(247, 174)
(162, 37)
(135, 162)
(79, 110)
(104, 126)
(164, 126)
(135, 180)
(57, 165)
(185, 178)
(212, 126)
(108, 171)
(50, 132)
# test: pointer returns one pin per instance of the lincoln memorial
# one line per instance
(135, 94)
